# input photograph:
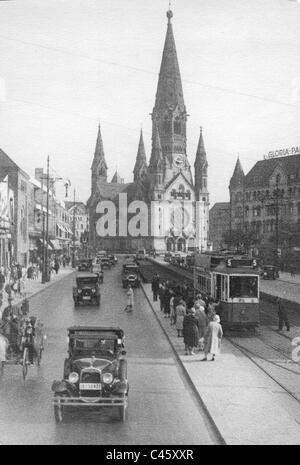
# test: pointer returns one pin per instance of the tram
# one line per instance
(234, 282)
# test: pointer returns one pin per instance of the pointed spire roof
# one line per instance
(157, 159)
(116, 178)
(238, 175)
(99, 150)
(169, 88)
(201, 153)
(141, 160)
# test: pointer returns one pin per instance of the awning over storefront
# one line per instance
(56, 244)
(61, 227)
(69, 230)
(49, 245)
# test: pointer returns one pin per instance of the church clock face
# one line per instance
(178, 161)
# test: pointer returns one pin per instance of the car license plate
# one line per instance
(86, 297)
(90, 386)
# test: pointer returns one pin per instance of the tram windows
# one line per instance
(218, 287)
(224, 287)
(243, 287)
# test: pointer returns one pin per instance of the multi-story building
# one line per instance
(81, 218)
(266, 201)
(177, 203)
(219, 224)
(16, 244)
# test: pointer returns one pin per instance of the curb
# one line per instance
(188, 378)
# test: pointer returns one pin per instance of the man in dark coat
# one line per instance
(282, 316)
(155, 286)
(190, 332)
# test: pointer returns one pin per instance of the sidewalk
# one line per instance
(33, 287)
(246, 406)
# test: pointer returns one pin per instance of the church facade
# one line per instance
(175, 215)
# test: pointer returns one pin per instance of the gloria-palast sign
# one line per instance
(282, 153)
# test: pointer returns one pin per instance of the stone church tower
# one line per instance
(178, 206)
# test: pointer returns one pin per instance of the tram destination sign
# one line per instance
(282, 153)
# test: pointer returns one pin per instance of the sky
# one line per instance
(65, 65)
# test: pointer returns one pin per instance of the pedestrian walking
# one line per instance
(282, 316)
(155, 286)
(213, 336)
(129, 295)
(56, 265)
(167, 298)
(180, 312)
(161, 294)
(202, 324)
(190, 332)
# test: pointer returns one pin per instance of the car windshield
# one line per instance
(103, 346)
(130, 269)
(86, 282)
(243, 286)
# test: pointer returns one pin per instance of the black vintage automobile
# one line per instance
(130, 275)
(105, 262)
(87, 289)
(95, 372)
(270, 272)
(113, 259)
(85, 264)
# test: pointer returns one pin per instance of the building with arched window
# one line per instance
(180, 197)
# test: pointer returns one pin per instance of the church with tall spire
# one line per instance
(177, 199)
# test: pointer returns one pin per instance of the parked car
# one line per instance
(130, 275)
(95, 372)
(87, 289)
(269, 272)
(85, 264)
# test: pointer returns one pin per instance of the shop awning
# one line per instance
(55, 244)
(68, 229)
(61, 227)
(49, 245)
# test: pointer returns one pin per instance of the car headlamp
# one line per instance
(107, 378)
(93, 291)
(73, 377)
(79, 291)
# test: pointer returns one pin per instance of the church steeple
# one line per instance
(169, 88)
(156, 164)
(99, 166)
(237, 179)
(200, 168)
(140, 168)
(169, 112)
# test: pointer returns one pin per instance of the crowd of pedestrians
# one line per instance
(195, 318)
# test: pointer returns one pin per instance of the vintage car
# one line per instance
(130, 275)
(95, 372)
(97, 269)
(87, 289)
(105, 263)
(113, 259)
(269, 272)
(84, 264)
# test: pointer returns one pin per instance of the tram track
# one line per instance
(252, 355)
